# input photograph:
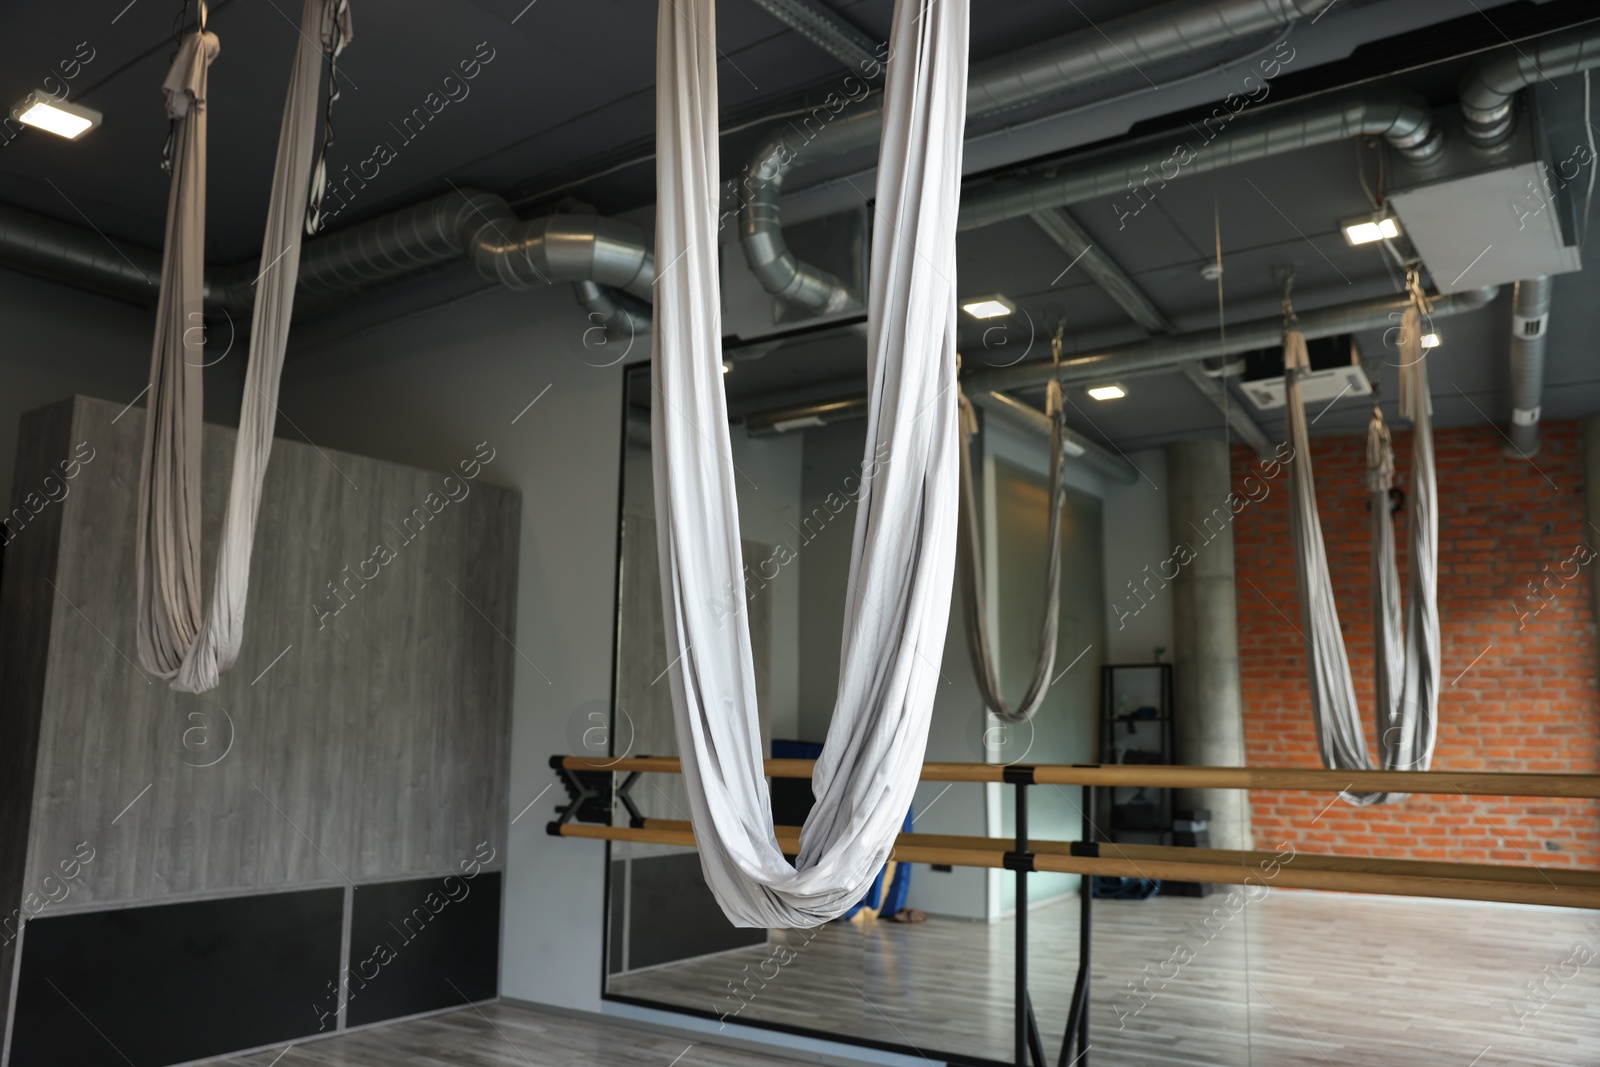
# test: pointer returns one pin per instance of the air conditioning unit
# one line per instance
(1481, 216)
(1335, 372)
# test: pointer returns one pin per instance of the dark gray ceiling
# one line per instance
(569, 91)
(564, 107)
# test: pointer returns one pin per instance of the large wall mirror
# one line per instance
(873, 978)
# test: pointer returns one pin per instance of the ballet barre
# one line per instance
(1158, 776)
(593, 791)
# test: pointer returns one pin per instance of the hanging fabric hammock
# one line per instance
(969, 562)
(175, 641)
(898, 604)
(1406, 667)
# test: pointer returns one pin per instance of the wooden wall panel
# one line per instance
(356, 738)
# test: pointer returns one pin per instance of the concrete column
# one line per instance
(1209, 710)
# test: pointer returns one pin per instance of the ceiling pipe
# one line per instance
(1162, 354)
(1096, 54)
(607, 259)
(55, 250)
(1135, 174)
(1152, 356)
(829, 412)
(1489, 90)
(1530, 318)
(830, 32)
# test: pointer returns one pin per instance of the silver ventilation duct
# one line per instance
(1136, 173)
(1161, 354)
(607, 259)
(50, 249)
(1096, 54)
(1490, 87)
(1530, 317)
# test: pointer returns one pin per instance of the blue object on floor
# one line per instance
(899, 885)
(791, 801)
(1107, 888)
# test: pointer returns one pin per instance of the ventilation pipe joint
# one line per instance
(1488, 92)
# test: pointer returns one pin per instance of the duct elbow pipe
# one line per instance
(1488, 91)
(566, 248)
(1075, 60)
(778, 270)
(621, 316)
(1530, 318)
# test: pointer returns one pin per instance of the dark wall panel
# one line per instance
(421, 945)
(675, 916)
(174, 982)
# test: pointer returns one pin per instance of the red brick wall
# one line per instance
(1512, 698)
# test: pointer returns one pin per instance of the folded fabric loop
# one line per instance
(1406, 655)
(176, 641)
(970, 564)
(898, 602)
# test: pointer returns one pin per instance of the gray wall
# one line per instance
(56, 341)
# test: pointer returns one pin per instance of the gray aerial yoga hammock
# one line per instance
(175, 640)
(1406, 668)
(898, 604)
(969, 562)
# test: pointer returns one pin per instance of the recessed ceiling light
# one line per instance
(1431, 340)
(1366, 231)
(988, 307)
(56, 116)
(726, 367)
(1108, 392)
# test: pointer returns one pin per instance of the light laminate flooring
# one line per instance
(502, 1035)
(1292, 980)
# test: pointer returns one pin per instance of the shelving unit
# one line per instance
(1136, 727)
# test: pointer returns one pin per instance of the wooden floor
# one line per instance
(1294, 980)
(502, 1035)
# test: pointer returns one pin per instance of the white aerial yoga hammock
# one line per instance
(175, 640)
(969, 562)
(905, 535)
(1406, 668)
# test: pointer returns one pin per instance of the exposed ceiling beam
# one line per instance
(1088, 257)
(830, 32)
(1213, 390)
(1064, 230)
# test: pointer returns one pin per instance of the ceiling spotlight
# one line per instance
(56, 116)
(1366, 231)
(1431, 340)
(1108, 392)
(988, 307)
(726, 367)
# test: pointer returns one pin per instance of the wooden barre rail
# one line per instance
(1305, 779)
(1513, 885)
(1567, 876)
